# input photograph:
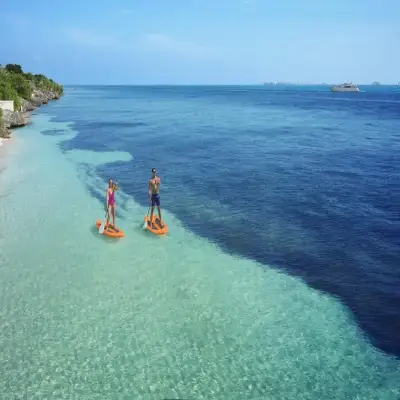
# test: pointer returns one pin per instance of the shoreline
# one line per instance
(12, 120)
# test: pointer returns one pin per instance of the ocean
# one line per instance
(279, 277)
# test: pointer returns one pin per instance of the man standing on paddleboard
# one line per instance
(154, 195)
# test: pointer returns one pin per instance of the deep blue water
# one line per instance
(301, 179)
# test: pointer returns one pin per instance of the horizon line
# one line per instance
(224, 84)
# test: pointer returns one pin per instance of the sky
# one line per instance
(204, 42)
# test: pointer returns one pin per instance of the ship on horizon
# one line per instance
(345, 87)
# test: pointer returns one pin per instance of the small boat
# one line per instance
(345, 87)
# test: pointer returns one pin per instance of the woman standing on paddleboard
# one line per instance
(110, 201)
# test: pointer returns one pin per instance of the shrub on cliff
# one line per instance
(43, 83)
(8, 91)
(21, 85)
(16, 84)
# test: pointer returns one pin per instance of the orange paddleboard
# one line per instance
(156, 227)
(110, 231)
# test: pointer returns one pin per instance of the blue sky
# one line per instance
(204, 42)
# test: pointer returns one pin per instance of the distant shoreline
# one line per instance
(72, 87)
(20, 94)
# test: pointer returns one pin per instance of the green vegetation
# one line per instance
(3, 132)
(15, 84)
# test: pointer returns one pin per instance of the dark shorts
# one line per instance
(155, 199)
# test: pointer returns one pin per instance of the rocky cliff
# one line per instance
(15, 119)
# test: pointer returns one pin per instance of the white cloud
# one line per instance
(90, 38)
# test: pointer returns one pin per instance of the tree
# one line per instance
(21, 85)
(6, 90)
(16, 68)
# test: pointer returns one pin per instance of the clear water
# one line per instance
(268, 196)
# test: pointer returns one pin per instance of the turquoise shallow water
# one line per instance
(150, 318)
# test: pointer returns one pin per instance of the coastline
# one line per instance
(16, 119)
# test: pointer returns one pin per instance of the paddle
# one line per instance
(145, 221)
(101, 229)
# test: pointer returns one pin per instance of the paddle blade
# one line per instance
(101, 229)
(145, 224)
